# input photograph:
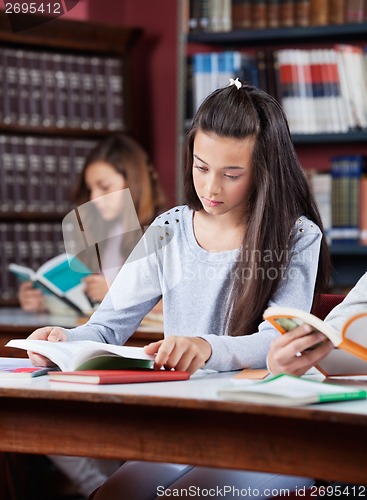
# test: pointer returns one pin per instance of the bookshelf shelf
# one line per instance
(278, 36)
(347, 138)
(31, 216)
(59, 132)
(348, 249)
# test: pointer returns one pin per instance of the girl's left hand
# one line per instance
(297, 351)
(96, 287)
(181, 353)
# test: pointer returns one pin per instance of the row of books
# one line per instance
(47, 89)
(227, 15)
(321, 90)
(38, 173)
(28, 244)
(341, 195)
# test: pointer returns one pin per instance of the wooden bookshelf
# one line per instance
(82, 71)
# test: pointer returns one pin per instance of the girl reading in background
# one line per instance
(248, 237)
(116, 163)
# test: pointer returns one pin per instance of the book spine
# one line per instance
(35, 88)
(259, 14)
(354, 11)
(336, 11)
(19, 173)
(59, 91)
(241, 14)
(302, 12)
(23, 112)
(319, 15)
(287, 13)
(4, 201)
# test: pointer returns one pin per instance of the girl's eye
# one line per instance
(232, 177)
(200, 168)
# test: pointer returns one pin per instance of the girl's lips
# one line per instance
(211, 203)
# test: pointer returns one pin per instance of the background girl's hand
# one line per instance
(50, 333)
(284, 351)
(180, 353)
(31, 299)
(96, 287)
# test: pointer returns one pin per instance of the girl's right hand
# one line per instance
(31, 299)
(50, 333)
(297, 351)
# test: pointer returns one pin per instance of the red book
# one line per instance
(118, 376)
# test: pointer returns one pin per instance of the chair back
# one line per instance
(325, 303)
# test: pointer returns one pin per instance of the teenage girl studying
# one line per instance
(249, 236)
(116, 163)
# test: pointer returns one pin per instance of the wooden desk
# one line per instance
(184, 422)
(16, 323)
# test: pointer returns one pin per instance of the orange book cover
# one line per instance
(350, 354)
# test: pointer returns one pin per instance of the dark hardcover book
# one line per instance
(273, 13)
(354, 11)
(23, 111)
(20, 173)
(33, 174)
(11, 87)
(60, 91)
(8, 180)
(336, 11)
(114, 93)
(96, 91)
(72, 91)
(259, 14)
(48, 90)
(49, 175)
(4, 200)
(195, 15)
(319, 12)
(32, 61)
(287, 13)
(241, 14)
(302, 12)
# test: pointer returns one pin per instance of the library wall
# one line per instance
(154, 77)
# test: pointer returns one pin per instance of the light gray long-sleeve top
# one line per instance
(195, 285)
(354, 303)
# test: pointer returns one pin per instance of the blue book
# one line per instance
(61, 278)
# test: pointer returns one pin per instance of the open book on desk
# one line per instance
(350, 354)
(89, 362)
(61, 278)
(290, 391)
(87, 355)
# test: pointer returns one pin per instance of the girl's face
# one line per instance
(222, 172)
(102, 179)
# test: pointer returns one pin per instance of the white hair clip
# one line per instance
(235, 82)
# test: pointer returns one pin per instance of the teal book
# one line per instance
(60, 278)
(289, 390)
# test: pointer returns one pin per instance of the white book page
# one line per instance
(69, 355)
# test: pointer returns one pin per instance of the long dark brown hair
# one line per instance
(130, 160)
(280, 194)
